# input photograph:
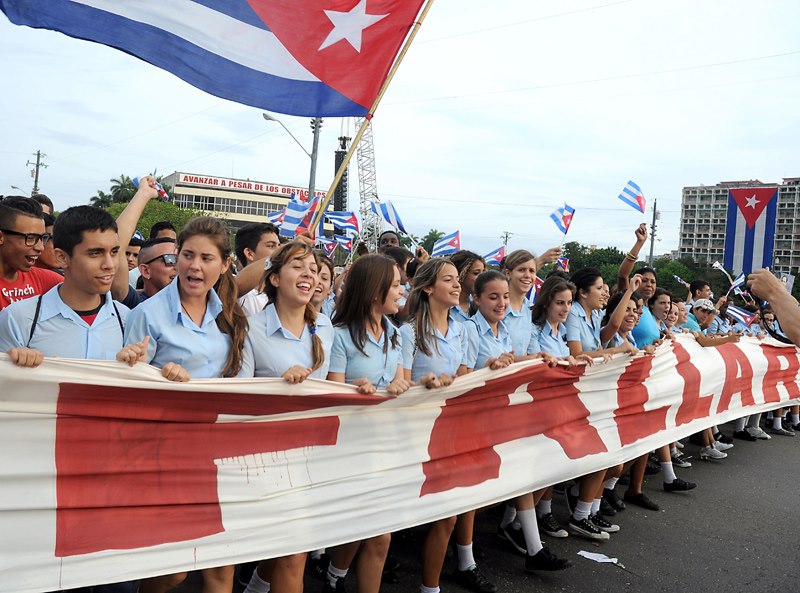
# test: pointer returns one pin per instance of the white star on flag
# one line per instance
(752, 202)
(350, 25)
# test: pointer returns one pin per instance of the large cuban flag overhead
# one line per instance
(300, 57)
(750, 231)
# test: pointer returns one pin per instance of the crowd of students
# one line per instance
(82, 286)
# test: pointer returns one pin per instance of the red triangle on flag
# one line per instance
(752, 201)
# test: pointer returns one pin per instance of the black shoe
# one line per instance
(653, 465)
(610, 495)
(678, 485)
(787, 425)
(339, 588)
(743, 435)
(474, 580)
(545, 560)
(641, 500)
(587, 529)
(549, 526)
(601, 523)
(515, 537)
(572, 500)
(723, 438)
(606, 508)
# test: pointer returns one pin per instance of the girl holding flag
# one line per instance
(367, 352)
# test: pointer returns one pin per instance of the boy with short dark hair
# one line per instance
(22, 240)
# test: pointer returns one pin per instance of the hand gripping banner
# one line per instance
(109, 473)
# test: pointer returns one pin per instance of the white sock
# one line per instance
(595, 506)
(465, 558)
(508, 516)
(610, 483)
(530, 530)
(795, 418)
(256, 584)
(770, 415)
(673, 451)
(740, 422)
(582, 510)
(575, 490)
(668, 472)
(754, 421)
(334, 574)
(776, 422)
(424, 589)
(545, 507)
(317, 554)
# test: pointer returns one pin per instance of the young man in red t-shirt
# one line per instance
(22, 240)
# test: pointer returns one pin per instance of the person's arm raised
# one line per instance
(626, 267)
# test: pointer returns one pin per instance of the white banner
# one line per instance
(109, 473)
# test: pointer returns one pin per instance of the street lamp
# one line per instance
(316, 125)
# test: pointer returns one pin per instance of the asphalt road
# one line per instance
(735, 533)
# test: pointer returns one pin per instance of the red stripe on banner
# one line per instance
(135, 467)
(693, 406)
(776, 375)
(633, 421)
(463, 438)
(738, 377)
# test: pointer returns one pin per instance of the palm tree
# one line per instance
(101, 200)
(122, 189)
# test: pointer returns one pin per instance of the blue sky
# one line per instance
(501, 112)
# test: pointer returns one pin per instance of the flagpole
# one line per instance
(368, 117)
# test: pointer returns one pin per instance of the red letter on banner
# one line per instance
(775, 375)
(693, 406)
(463, 438)
(633, 421)
(738, 377)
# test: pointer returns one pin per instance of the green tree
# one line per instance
(122, 189)
(101, 199)
(156, 211)
(431, 238)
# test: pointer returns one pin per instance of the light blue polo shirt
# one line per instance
(520, 328)
(692, 324)
(457, 313)
(60, 331)
(274, 349)
(376, 365)
(174, 337)
(447, 352)
(646, 331)
(618, 340)
(555, 344)
(584, 328)
(719, 326)
(483, 344)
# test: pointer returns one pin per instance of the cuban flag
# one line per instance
(276, 218)
(347, 221)
(388, 212)
(294, 213)
(311, 213)
(750, 230)
(563, 263)
(329, 245)
(680, 280)
(563, 217)
(299, 57)
(632, 195)
(537, 286)
(739, 281)
(741, 315)
(447, 245)
(494, 258)
(344, 243)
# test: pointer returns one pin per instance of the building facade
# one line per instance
(237, 201)
(704, 211)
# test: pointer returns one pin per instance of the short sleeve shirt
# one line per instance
(379, 367)
(520, 328)
(483, 344)
(34, 282)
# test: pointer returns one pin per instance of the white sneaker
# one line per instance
(679, 444)
(711, 453)
(720, 446)
(758, 432)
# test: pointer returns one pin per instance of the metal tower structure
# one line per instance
(371, 224)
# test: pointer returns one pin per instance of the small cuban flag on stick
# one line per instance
(563, 217)
(742, 315)
(494, 258)
(632, 195)
(563, 263)
(447, 245)
(347, 221)
(389, 213)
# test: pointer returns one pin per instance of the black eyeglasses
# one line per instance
(169, 259)
(31, 239)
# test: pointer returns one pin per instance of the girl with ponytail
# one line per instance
(197, 330)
